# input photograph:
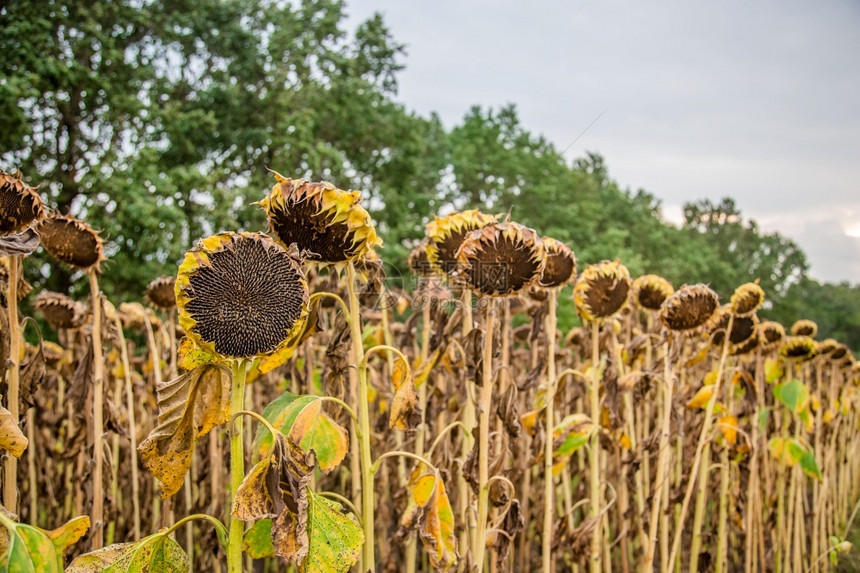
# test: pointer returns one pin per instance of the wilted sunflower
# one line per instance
(804, 328)
(838, 353)
(560, 266)
(798, 348)
(20, 204)
(691, 309)
(72, 242)
(445, 236)
(162, 292)
(743, 328)
(501, 259)
(747, 346)
(241, 295)
(747, 299)
(59, 310)
(649, 292)
(419, 264)
(327, 224)
(601, 290)
(52, 352)
(827, 347)
(771, 334)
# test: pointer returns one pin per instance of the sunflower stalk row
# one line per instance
(278, 405)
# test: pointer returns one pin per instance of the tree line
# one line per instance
(157, 121)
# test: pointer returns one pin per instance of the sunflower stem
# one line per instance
(595, 557)
(98, 413)
(484, 407)
(10, 481)
(132, 430)
(239, 370)
(363, 411)
(549, 483)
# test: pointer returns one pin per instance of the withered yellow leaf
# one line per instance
(11, 438)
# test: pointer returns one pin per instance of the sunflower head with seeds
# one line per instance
(445, 235)
(691, 310)
(601, 290)
(328, 225)
(747, 299)
(560, 268)
(73, 242)
(798, 348)
(649, 292)
(20, 204)
(771, 334)
(501, 259)
(162, 292)
(804, 327)
(59, 310)
(242, 296)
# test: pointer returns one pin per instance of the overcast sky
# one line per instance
(756, 100)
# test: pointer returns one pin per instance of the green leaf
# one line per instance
(809, 465)
(303, 421)
(157, 553)
(28, 549)
(258, 540)
(334, 534)
(772, 370)
(793, 395)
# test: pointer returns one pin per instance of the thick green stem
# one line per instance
(10, 481)
(484, 407)
(549, 483)
(237, 464)
(363, 410)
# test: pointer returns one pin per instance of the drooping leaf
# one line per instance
(258, 540)
(793, 394)
(191, 356)
(506, 410)
(422, 369)
(157, 553)
(790, 452)
(809, 465)
(763, 416)
(729, 428)
(701, 398)
(303, 421)
(405, 413)
(772, 370)
(28, 549)
(189, 406)
(335, 537)
(568, 436)
(12, 439)
(429, 510)
(23, 243)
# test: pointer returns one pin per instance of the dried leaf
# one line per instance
(23, 243)
(307, 426)
(729, 427)
(188, 407)
(568, 436)
(506, 410)
(429, 510)
(405, 413)
(157, 553)
(11, 438)
(702, 397)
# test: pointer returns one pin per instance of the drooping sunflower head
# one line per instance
(20, 204)
(501, 259)
(241, 295)
(601, 290)
(743, 329)
(418, 261)
(804, 327)
(827, 346)
(649, 292)
(59, 310)
(691, 309)
(445, 236)
(798, 348)
(839, 353)
(161, 292)
(747, 299)
(747, 346)
(771, 333)
(560, 267)
(328, 225)
(72, 241)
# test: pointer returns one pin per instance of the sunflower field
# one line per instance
(277, 405)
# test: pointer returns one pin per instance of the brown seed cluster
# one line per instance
(649, 292)
(771, 333)
(798, 348)
(72, 242)
(690, 309)
(501, 259)
(804, 327)
(601, 290)
(747, 299)
(20, 204)
(60, 310)
(560, 266)
(248, 297)
(161, 292)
